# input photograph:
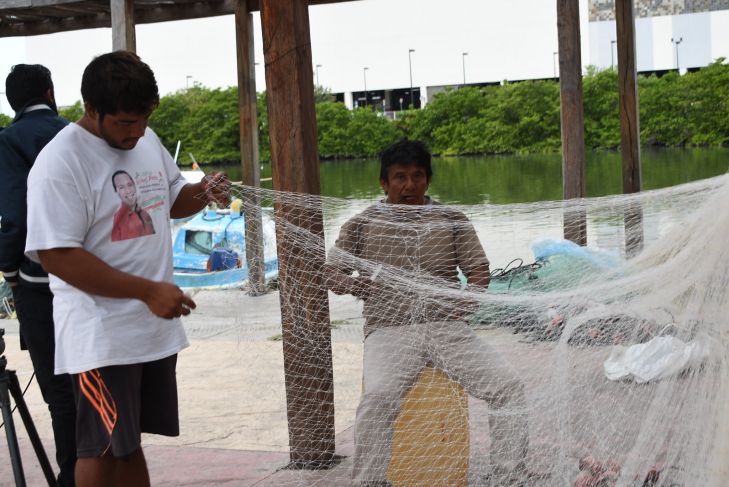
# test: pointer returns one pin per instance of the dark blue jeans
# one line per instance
(34, 306)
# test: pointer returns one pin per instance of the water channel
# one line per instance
(486, 184)
(516, 178)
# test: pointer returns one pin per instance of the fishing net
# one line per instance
(534, 352)
(579, 366)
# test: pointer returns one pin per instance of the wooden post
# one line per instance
(572, 117)
(122, 26)
(307, 344)
(629, 122)
(249, 148)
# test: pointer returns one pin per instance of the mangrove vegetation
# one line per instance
(689, 110)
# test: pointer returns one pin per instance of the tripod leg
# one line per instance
(12, 438)
(35, 440)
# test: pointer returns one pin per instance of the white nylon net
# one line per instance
(582, 367)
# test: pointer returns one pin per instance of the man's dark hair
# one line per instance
(118, 173)
(28, 84)
(406, 152)
(119, 82)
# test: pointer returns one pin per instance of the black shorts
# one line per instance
(116, 404)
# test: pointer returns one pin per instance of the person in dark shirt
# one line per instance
(29, 90)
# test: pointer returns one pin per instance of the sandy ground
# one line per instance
(230, 379)
(233, 407)
(232, 398)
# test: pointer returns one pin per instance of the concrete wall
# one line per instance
(601, 10)
(705, 37)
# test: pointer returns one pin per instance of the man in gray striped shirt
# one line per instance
(407, 251)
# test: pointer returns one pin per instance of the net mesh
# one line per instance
(578, 366)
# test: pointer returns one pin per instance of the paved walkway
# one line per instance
(233, 407)
(232, 399)
(175, 466)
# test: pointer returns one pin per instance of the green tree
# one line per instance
(264, 140)
(322, 94)
(332, 122)
(437, 124)
(5, 120)
(511, 118)
(707, 104)
(72, 112)
(601, 109)
(213, 124)
(204, 120)
(362, 132)
(662, 111)
(168, 120)
(368, 133)
(518, 117)
(530, 116)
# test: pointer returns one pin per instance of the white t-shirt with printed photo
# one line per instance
(116, 205)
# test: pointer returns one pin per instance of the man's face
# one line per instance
(122, 130)
(126, 190)
(406, 184)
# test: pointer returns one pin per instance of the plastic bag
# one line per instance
(544, 248)
(656, 359)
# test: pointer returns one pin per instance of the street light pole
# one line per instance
(317, 74)
(677, 42)
(364, 72)
(612, 62)
(410, 67)
(463, 58)
(554, 62)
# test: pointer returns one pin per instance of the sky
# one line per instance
(504, 40)
(511, 40)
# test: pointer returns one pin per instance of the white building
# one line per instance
(669, 34)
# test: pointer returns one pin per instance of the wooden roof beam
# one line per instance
(84, 9)
(36, 3)
(196, 10)
(51, 26)
(57, 11)
(32, 18)
(166, 13)
(184, 11)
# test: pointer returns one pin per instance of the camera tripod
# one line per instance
(9, 385)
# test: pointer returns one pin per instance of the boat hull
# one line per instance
(225, 279)
(209, 251)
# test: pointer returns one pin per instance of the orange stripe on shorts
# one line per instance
(93, 388)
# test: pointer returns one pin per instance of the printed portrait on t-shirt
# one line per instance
(132, 219)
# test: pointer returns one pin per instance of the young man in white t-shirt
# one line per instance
(116, 310)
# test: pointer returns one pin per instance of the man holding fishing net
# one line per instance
(407, 251)
(115, 308)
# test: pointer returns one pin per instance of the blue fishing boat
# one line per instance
(209, 250)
